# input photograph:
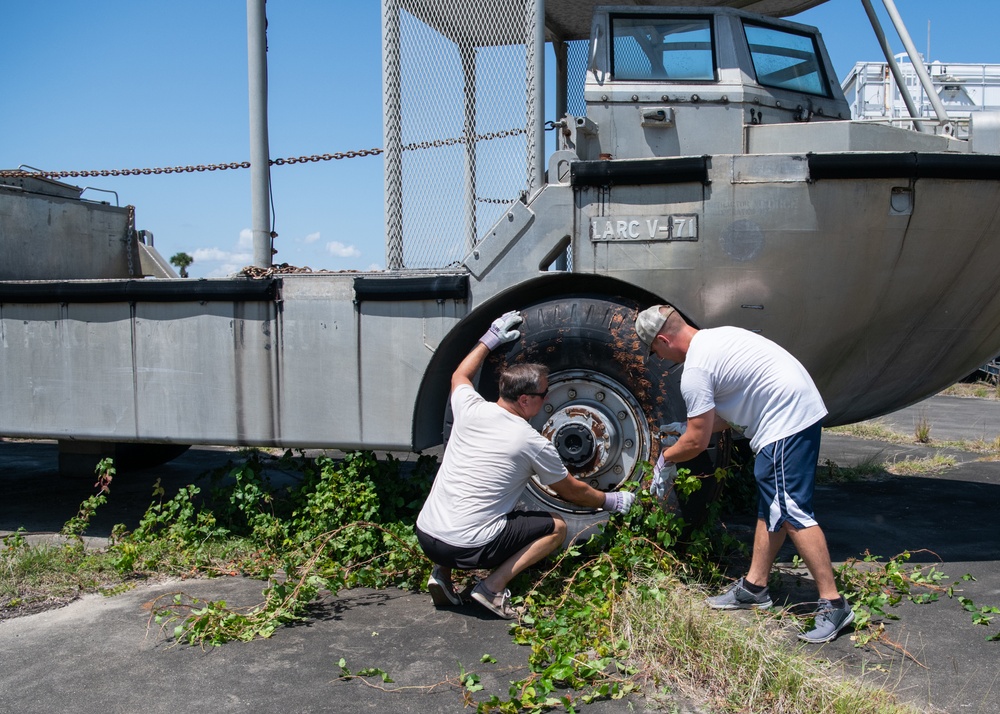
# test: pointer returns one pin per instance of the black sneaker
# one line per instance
(737, 597)
(829, 622)
(441, 589)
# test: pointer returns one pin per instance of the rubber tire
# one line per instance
(597, 333)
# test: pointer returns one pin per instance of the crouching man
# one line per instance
(468, 520)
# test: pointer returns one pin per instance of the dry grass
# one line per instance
(980, 390)
(873, 430)
(736, 662)
(937, 463)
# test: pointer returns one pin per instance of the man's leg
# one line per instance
(765, 549)
(811, 545)
(528, 555)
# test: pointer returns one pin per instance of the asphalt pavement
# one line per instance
(103, 654)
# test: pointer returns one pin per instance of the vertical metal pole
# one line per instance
(561, 50)
(538, 128)
(562, 108)
(392, 133)
(260, 178)
(468, 55)
(897, 74)
(918, 66)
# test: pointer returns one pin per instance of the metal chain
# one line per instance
(246, 164)
(129, 235)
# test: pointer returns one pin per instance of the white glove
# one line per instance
(502, 330)
(619, 501)
(663, 479)
(674, 428)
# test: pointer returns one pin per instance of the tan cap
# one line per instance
(649, 322)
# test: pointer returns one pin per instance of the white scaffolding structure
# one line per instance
(963, 89)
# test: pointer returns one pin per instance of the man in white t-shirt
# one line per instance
(736, 378)
(468, 520)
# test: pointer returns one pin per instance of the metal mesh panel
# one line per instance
(577, 56)
(457, 106)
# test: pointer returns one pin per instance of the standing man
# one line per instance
(468, 520)
(734, 377)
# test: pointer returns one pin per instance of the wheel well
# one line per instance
(432, 397)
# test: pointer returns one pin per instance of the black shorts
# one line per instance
(522, 528)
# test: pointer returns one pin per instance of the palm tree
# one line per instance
(182, 261)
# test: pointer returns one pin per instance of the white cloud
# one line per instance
(340, 250)
(312, 237)
(246, 238)
(216, 263)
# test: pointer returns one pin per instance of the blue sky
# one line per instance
(112, 84)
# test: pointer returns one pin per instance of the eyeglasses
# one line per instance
(537, 394)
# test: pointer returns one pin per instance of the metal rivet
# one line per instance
(599, 396)
(695, 98)
(629, 443)
(618, 469)
(549, 408)
(594, 483)
(571, 394)
(635, 97)
(621, 416)
(664, 98)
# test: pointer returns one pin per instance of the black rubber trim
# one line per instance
(911, 165)
(640, 172)
(240, 290)
(435, 287)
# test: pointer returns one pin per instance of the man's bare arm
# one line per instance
(574, 491)
(695, 438)
(466, 371)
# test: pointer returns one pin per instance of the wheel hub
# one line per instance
(597, 427)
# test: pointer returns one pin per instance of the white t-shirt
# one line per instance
(491, 454)
(753, 383)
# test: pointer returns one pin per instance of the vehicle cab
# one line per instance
(683, 82)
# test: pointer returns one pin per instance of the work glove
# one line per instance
(663, 478)
(502, 330)
(618, 501)
(674, 428)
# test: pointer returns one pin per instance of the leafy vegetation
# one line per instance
(601, 620)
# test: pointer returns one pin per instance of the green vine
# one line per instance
(332, 525)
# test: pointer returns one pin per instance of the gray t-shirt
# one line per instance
(490, 457)
(751, 382)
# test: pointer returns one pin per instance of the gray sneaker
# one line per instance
(737, 597)
(441, 589)
(829, 622)
(497, 603)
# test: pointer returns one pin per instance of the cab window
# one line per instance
(647, 48)
(786, 60)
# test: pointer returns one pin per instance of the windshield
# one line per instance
(787, 60)
(662, 48)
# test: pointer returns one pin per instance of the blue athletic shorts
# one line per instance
(786, 476)
(522, 528)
